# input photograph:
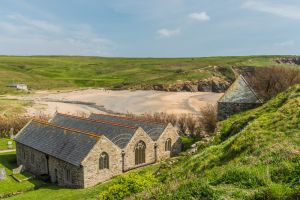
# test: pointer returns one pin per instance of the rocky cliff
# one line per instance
(213, 84)
(288, 60)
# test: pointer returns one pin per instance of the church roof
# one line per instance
(153, 129)
(70, 145)
(240, 92)
(119, 134)
(70, 138)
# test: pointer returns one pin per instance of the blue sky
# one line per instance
(143, 28)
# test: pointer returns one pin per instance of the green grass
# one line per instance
(63, 72)
(10, 186)
(3, 143)
(255, 155)
(24, 176)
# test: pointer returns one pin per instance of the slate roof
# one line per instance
(154, 130)
(240, 92)
(119, 134)
(66, 144)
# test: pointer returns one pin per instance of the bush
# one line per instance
(191, 124)
(270, 81)
(128, 184)
(186, 142)
(208, 119)
(181, 124)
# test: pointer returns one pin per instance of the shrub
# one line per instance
(179, 71)
(128, 184)
(208, 118)
(191, 124)
(270, 81)
(181, 124)
(186, 142)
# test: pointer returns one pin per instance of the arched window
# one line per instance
(168, 144)
(139, 150)
(104, 161)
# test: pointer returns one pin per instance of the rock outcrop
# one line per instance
(213, 84)
(288, 60)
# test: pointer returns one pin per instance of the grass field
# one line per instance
(10, 186)
(61, 72)
(3, 143)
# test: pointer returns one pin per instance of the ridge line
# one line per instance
(68, 129)
(100, 121)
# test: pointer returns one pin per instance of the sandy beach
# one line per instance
(124, 101)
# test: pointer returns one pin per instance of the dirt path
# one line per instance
(124, 101)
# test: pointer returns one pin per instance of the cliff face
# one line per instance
(213, 84)
(288, 60)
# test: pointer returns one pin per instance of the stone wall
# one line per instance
(58, 173)
(171, 133)
(92, 174)
(33, 160)
(226, 109)
(36, 163)
(129, 157)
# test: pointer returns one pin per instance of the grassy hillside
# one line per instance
(61, 72)
(254, 155)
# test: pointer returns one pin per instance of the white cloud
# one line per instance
(285, 43)
(21, 35)
(38, 24)
(282, 10)
(200, 16)
(168, 33)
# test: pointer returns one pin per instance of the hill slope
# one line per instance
(62, 72)
(255, 155)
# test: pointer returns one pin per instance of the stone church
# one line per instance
(79, 152)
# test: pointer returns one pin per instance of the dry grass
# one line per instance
(208, 118)
(186, 123)
(16, 123)
(270, 81)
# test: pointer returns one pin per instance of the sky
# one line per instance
(143, 28)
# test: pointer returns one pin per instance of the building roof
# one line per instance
(153, 129)
(70, 145)
(240, 92)
(119, 134)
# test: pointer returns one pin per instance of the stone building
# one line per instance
(81, 152)
(239, 97)
(18, 86)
